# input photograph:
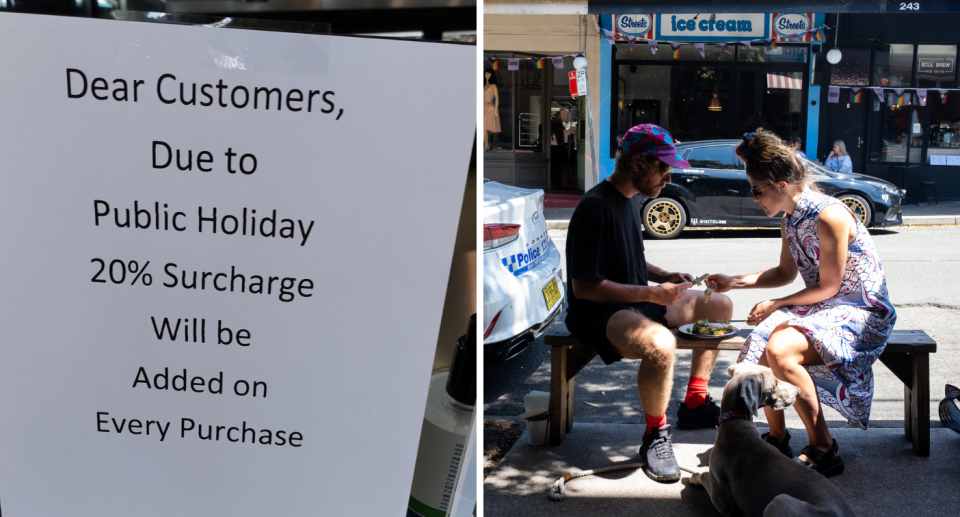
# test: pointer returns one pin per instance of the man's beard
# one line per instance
(646, 190)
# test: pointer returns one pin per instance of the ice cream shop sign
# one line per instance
(717, 27)
(790, 24)
(634, 25)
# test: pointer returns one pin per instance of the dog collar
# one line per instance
(732, 415)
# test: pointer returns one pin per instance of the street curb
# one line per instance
(915, 220)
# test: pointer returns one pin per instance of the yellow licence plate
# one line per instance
(551, 293)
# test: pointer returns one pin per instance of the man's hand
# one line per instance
(762, 311)
(669, 293)
(720, 283)
(679, 278)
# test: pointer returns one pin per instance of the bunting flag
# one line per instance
(630, 40)
(557, 62)
(653, 45)
(943, 96)
(855, 95)
(922, 94)
(899, 93)
(495, 63)
(879, 92)
(539, 63)
(723, 46)
(770, 43)
(747, 44)
(676, 49)
(818, 35)
(513, 64)
(611, 37)
(699, 48)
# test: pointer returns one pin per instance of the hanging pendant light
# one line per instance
(715, 102)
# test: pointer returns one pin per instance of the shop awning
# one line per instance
(785, 80)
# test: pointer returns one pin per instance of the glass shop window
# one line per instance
(944, 129)
(498, 109)
(936, 66)
(643, 97)
(893, 66)
(897, 132)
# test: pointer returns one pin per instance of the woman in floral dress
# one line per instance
(826, 337)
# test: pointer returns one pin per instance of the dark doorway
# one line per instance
(848, 122)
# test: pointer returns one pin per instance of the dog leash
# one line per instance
(558, 492)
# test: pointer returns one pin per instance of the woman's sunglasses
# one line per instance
(756, 191)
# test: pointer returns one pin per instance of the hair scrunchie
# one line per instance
(748, 139)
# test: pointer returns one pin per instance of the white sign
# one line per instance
(788, 25)
(581, 82)
(213, 304)
(635, 25)
(833, 94)
(726, 27)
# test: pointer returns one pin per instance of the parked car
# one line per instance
(522, 284)
(714, 191)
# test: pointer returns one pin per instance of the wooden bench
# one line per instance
(907, 355)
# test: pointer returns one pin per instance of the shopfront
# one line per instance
(907, 131)
(537, 137)
(713, 77)
(534, 139)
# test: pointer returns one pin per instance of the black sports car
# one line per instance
(714, 191)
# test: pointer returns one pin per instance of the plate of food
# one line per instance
(705, 329)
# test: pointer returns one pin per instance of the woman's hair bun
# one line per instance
(769, 159)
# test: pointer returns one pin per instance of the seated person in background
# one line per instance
(797, 144)
(838, 159)
(612, 307)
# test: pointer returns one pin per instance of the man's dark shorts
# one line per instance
(590, 328)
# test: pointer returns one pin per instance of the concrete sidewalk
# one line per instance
(882, 476)
(947, 212)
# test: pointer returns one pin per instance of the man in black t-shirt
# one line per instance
(613, 308)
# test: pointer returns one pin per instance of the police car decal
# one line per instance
(519, 263)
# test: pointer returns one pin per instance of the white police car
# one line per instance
(522, 284)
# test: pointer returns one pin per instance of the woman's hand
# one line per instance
(830, 155)
(762, 311)
(720, 283)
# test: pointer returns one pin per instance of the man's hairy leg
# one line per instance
(636, 337)
(692, 307)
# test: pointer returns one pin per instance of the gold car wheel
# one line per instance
(857, 206)
(663, 218)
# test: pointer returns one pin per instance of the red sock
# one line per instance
(654, 422)
(696, 392)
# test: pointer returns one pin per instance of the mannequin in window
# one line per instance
(491, 107)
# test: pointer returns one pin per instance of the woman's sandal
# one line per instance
(827, 463)
(781, 445)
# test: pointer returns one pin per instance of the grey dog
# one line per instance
(750, 477)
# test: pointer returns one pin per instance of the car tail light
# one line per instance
(496, 235)
(490, 327)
